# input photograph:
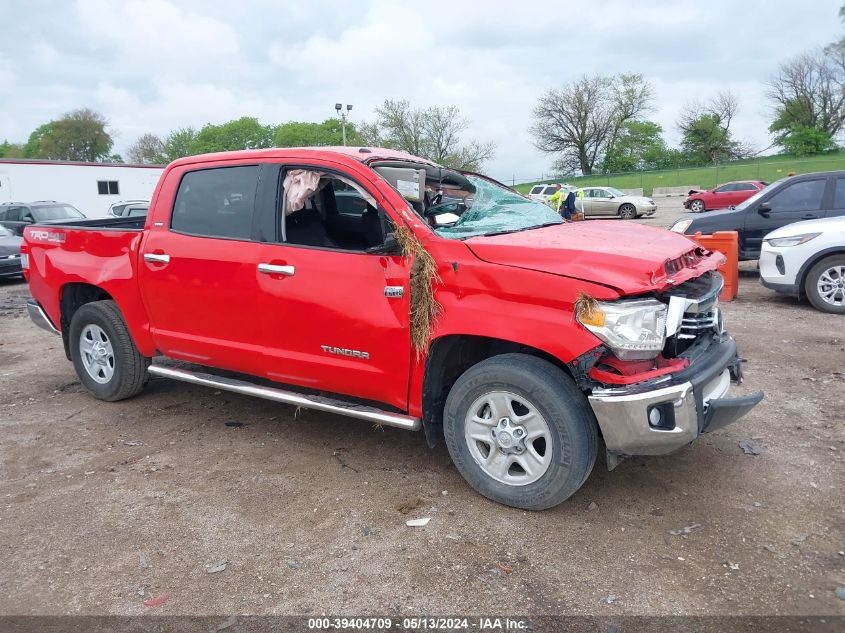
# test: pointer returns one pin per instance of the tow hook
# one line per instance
(735, 369)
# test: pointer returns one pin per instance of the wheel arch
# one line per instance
(450, 356)
(812, 261)
(628, 204)
(72, 296)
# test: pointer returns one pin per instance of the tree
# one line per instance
(809, 92)
(178, 144)
(582, 120)
(433, 133)
(307, 134)
(11, 150)
(806, 141)
(640, 146)
(706, 130)
(78, 135)
(243, 133)
(147, 150)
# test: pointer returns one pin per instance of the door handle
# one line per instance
(273, 269)
(157, 258)
(809, 216)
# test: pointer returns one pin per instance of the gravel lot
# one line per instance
(107, 505)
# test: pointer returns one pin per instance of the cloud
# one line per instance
(154, 65)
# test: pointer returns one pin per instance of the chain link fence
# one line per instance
(705, 177)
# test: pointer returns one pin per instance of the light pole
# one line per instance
(343, 115)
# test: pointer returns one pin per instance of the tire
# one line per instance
(526, 386)
(697, 206)
(825, 285)
(628, 211)
(107, 362)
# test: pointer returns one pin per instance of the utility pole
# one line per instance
(343, 115)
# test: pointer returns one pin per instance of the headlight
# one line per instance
(792, 241)
(633, 330)
(680, 226)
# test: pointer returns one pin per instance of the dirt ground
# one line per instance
(107, 505)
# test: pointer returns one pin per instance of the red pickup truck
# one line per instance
(379, 285)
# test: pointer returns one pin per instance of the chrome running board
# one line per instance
(330, 405)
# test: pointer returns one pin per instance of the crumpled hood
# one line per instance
(629, 257)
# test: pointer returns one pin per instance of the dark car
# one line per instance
(15, 216)
(791, 199)
(10, 254)
(129, 208)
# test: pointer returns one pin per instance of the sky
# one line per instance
(155, 65)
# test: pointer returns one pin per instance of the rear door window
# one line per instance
(549, 191)
(799, 196)
(216, 202)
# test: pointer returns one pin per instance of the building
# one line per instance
(90, 187)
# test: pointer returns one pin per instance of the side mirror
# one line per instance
(389, 247)
(764, 209)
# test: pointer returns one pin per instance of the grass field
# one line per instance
(767, 168)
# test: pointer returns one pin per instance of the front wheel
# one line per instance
(104, 355)
(627, 212)
(520, 432)
(825, 285)
(696, 206)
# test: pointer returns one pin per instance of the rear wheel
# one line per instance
(825, 285)
(104, 355)
(696, 206)
(520, 432)
(627, 211)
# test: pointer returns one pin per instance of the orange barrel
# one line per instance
(727, 243)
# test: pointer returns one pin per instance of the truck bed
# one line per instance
(124, 224)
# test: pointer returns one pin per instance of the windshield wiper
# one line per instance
(525, 228)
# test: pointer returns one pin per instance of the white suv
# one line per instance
(807, 259)
(542, 193)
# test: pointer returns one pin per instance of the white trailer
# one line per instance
(90, 187)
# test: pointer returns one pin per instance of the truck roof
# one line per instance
(361, 154)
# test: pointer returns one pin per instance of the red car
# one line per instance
(723, 196)
(524, 339)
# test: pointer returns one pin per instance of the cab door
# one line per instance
(335, 317)
(795, 201)
(197, 269)
(603, 203)
(585, 203)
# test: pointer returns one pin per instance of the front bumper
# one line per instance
(10, 266)
(689, 403)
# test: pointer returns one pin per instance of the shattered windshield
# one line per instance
(494, 209)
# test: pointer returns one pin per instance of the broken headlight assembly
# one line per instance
(633, 330)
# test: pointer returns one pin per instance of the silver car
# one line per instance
(609, 201)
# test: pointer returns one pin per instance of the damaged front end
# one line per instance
(662, 376)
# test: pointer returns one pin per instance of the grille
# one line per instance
(694, 324)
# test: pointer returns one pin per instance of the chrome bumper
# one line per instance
(691, 404)
(39, 317)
